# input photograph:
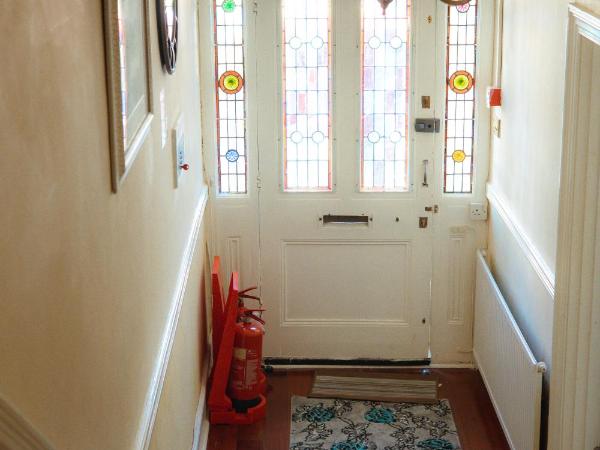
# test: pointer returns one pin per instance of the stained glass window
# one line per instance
(306, 89)
(460, 98)
(230, 95)
(385, 80)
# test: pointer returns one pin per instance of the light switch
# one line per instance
(164, 128)
(497, 127)
(179, 150)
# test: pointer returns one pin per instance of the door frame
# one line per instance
(572, 323)
(451, 344)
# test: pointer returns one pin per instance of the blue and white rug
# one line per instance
(323, 424)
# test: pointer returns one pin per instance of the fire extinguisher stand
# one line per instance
(220, 405)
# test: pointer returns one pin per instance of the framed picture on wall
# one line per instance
(129, 82)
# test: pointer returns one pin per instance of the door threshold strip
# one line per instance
(361, 362)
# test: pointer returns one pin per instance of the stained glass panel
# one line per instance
(230, 95)
(460, 98)
(306, 88)
(385, 87)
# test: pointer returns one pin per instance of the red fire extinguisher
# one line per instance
(246, 381)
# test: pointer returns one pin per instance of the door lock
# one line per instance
(427, 125)
(434, 209)
(423, 222)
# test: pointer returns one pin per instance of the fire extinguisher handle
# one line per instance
(253, 288)
(250, 313)
(258, 319)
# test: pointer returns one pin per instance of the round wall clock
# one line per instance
(456, 2)
(166, 16)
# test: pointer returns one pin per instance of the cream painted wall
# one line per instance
(88, 276)
(174, 424)
(592, 5)
(529, 150)
(525, 165)
(526, 159)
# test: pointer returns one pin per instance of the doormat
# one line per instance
(336, 424)
(376, 389)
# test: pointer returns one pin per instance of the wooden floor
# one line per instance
(477, 424)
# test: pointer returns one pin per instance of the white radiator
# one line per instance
(511, 373)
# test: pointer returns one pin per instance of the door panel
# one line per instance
(315, 273)
(592, 418)
(346, 291)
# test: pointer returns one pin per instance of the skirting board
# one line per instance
(202, 425)
(16, 433)
(162, 360)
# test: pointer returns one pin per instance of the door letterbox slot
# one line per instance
(340, 219)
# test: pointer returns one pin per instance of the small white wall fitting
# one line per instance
(478, 211)
(178, 136)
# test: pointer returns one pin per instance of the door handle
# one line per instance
(425, 166)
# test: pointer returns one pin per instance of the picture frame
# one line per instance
(129, 82)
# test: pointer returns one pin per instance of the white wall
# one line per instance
(526, 159)
(525, 166)
(87, 277)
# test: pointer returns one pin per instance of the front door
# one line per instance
(365, 243)
(345, 206)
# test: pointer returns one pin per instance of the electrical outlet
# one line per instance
(479, 211)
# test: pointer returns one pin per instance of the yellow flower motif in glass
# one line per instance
(459, 156)
(231, 82)
(461, 82)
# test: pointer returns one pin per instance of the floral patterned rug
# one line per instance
(323, 424)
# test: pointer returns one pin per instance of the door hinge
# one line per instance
(255, 7)
(258, 183)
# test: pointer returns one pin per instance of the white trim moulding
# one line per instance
(202, 425)
(162, 360)
(543, 271)
(17, 433)
(571, 424)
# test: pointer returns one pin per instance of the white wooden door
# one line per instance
(591, 287)
(345, 290)
(575, 393)
(383, 288)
